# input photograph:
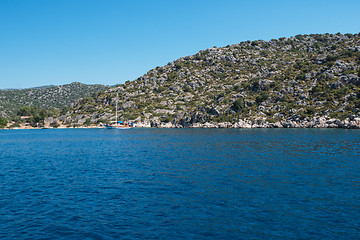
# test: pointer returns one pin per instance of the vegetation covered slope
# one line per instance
(11, 101)
(297, 79)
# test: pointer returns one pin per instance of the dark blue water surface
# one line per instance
(180, 184)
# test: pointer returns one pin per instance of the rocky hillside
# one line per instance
(301, 81)
(44, 97)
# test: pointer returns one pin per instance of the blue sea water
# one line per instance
(180, 184)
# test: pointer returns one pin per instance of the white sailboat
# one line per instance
(118, 124)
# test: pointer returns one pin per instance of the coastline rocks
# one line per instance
(316, 122)
(243, 124)
(166, 125)
(50, 121)
(143, 124)
(197, 125)
(225, 125)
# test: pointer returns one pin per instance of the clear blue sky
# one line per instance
(52, 42)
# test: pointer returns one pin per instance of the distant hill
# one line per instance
(40, 87)
(301, 81)
(44, 97)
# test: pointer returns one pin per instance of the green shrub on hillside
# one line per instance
(3, 122)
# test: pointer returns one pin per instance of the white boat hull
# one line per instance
(116, 127)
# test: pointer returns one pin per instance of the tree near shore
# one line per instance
(3, 122)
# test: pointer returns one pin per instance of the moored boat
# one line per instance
(118, 124)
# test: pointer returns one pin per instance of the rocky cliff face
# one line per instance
(302, 81)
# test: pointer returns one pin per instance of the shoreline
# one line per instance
(316, 122)
(319, 122)
(46, 128)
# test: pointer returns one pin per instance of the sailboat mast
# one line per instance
(116, 108)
